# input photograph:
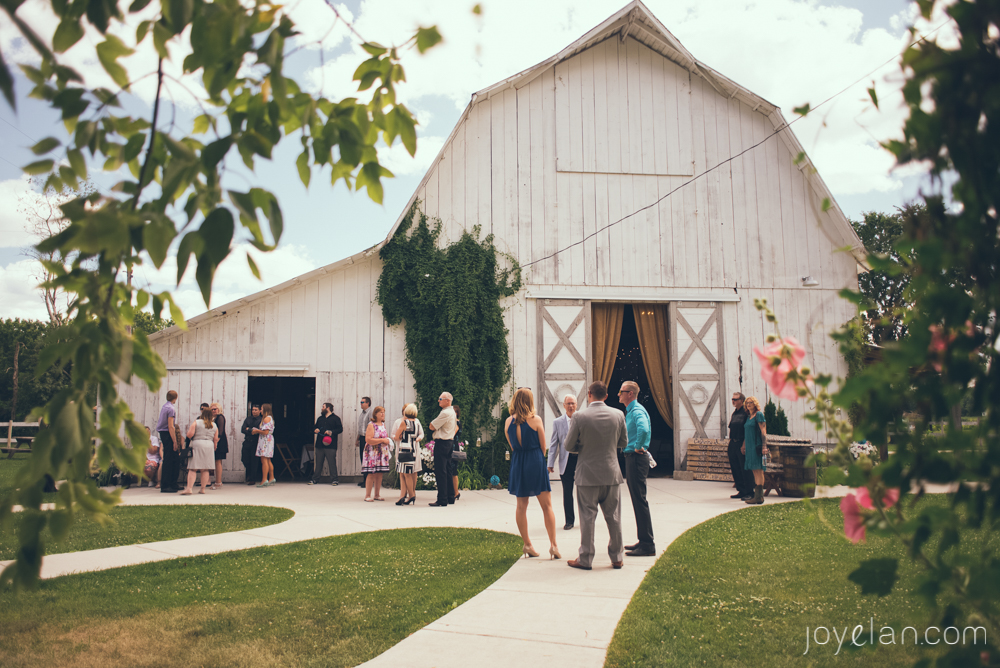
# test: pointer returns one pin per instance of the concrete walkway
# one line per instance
(540, 611)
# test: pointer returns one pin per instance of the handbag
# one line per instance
(405, 456)
(459, 456)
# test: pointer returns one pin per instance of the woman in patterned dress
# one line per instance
(265, 446)
(378, 449)
(408, 432)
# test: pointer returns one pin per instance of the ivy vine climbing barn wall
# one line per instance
(621, 170)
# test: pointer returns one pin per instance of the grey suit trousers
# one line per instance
(608, 498)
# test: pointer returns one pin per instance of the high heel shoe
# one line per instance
(529, 552)
(554, 552)
(401, 501)
(411, 500)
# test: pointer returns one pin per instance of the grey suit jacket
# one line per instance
(596, 434)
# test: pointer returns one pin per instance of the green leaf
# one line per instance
(45, 146)
(40, 167)
(477, 10)
(7, 83)
(876, 576)
(143, 29)
(427, 38)
(67, 34)
(374, 48)
(138, 6)
(302, 163)
(201, 124)
(192, 243)
(872, 95)
(214, 152)
(157, 235)
(803, 110)
(217, 233)
(253, 266)
(178, 13)
(369, 176)
(827, 204)
(108, 53)
(77, 162)
(161, 35)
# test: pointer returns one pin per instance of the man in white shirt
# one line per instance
(567, 460)
(444, 427)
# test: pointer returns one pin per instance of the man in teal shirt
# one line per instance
(637, 468)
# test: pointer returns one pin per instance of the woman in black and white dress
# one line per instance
(408, 432)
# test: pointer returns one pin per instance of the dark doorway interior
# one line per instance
(629, 366)
(293, 400)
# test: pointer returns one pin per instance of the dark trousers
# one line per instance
(328, 455)
(742, 477)
(171, 466)
(567, 479)
(442, 471)
(251, 462)
(636, 472)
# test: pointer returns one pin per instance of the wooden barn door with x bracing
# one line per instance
(698, 374)
(564, 355)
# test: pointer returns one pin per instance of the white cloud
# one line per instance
(16, 197)
(19, 293)
(399, 162)
(233, 279)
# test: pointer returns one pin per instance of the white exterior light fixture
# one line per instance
(809, 282)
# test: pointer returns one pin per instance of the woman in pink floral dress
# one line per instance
(378, 450)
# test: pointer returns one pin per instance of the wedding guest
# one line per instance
(755, 447)
(596, 434)
(565, 458)
(222, 449)
(528, 476)
(637, 426)
(265, 446)
(737, 460)
(378, 450)
(408, 432)
(166, 427)
(251, 464)
(152, 468)
(204, 437)
(363, 420)
(328, 428)
(443, 429)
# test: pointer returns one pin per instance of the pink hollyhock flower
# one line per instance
(851, 505)
(777, 360)
(864, 498)
(854, 524)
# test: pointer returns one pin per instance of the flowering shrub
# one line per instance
(853, 506)
(865, 449)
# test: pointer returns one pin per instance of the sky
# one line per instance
(789, 52)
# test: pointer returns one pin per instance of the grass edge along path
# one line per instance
(742, 588)
(136, 525)
(336, 601)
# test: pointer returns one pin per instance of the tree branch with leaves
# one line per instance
(173, 197)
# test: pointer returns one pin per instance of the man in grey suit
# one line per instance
(596, 434)
(566, 462)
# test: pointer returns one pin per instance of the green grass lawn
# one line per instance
(8, 470)
(741, 589)
(131, 525)
(329, 602)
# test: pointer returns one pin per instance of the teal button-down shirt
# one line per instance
(637, 425)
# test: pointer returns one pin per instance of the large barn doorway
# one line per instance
(293, 400)
(629, 364)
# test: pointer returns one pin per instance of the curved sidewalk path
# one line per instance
(539, 611)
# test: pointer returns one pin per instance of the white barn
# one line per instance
(623, 121)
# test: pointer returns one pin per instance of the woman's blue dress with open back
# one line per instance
(528, 475)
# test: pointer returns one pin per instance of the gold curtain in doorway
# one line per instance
(607, 336)
(653, 327)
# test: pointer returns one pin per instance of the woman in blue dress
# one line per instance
(755, 447)
(528, 475)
